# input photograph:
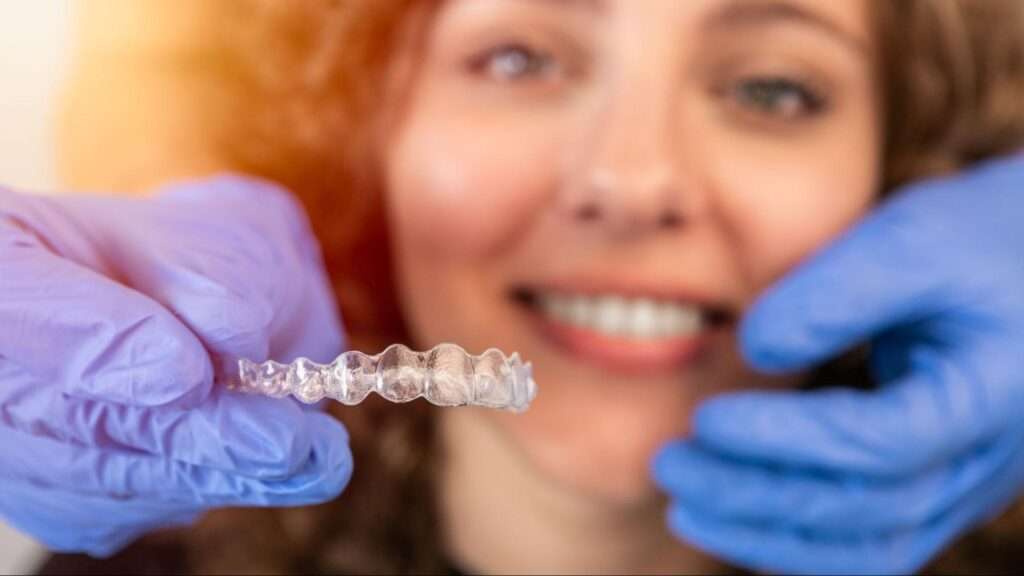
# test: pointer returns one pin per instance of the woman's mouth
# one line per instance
(623, 332)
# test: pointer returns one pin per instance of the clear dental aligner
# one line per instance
(446, 376)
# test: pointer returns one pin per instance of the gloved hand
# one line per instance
(847, 481)
(116, 315)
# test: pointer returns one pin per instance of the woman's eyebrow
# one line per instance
(746, 13)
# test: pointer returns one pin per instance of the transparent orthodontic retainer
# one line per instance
(446, 375)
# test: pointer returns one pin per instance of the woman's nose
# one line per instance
(627, 204)
(628, 178)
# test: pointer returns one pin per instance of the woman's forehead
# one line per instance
(845, 21)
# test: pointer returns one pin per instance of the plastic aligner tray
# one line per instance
(446, 376)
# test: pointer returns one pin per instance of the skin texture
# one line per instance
(521, 112)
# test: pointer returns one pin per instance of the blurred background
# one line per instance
(34, 55)
(34, 52)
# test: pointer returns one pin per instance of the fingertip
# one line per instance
(687, 527)
(261, 198)
(262, 437)
(331, 447)
(223, 189)
(736, 544)
(763, 337)
(313, 328)
(302, 457)
(660, 466)
(733, 423)
(323, 473)
(719, 415)
(147, 360)
(667, 461)
(680, 520)
(231, 316)
(183, 380)
(691, 476)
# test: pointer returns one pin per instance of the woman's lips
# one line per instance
(621, 354)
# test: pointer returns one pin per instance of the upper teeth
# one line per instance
(620, 316)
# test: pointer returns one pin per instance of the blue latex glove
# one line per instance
(116, 317)
(846, 481)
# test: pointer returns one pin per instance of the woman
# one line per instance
(529, 175)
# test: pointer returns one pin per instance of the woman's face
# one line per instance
(606, 185)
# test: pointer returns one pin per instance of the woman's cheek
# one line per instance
(464, 195)
(788, 213)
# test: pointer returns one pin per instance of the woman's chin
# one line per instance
(617, 478)
(599, 452)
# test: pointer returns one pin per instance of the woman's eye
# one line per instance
(512, 62)
(777, 96)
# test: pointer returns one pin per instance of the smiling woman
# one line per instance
(528, 175)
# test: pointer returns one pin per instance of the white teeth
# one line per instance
(611, 315)
(615, 315)
(645, 318)
(680, 319)
(580, 310)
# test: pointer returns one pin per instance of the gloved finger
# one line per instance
(306, 317)
(96, 525)
(124, 474)
(738, 491)
(780, 546)
(109, 342)
(314, 330)
(779, 550)
(254, 249)
(941, 408)
(238, 433)
(233, 258)
(882, 273)
(303, 317)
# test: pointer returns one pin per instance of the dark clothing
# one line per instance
(142, 559)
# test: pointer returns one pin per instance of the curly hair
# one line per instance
(290, 91)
